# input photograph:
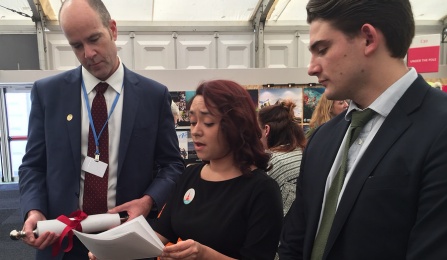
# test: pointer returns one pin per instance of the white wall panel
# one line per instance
(235, 51)
(280, 50)
(60, 55)
(125, 50)
(196, 51)
(154, 52)
(304, 54)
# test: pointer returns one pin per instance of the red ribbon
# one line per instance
(72, 222)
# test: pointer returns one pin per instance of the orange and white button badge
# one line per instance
(189, 196)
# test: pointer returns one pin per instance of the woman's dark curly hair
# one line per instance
(239, 124)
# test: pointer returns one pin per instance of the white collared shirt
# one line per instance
(114, 124)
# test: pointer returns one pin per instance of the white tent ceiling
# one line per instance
(291, 12)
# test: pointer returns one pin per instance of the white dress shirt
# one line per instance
(114, 124)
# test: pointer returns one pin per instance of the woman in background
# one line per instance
(324, 111)
(284, 138)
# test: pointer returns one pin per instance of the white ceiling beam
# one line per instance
(17, 27)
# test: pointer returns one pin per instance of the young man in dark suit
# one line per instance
(391, 202)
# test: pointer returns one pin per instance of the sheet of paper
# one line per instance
(134, 239)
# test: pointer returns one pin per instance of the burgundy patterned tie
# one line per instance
(95, 188)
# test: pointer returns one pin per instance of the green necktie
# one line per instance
(359, 119)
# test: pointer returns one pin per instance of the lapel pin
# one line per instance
(69, 117)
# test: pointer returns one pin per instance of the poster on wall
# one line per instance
(186, 146)
(311, 96)
(183, 143)
(269, 96)
(424, 52)
(181, 98)
(254, 94)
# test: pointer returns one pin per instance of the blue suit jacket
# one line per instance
(395, 203)
(51, 168)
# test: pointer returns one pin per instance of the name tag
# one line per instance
(97, 168)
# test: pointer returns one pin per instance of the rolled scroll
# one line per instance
(91, 224)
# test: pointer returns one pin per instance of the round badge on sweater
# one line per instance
(189, 196)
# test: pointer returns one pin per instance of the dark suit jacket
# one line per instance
(51, 168)
(395, 203)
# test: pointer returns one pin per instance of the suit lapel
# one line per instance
(396, 123)
(71, 96)
(130, 108)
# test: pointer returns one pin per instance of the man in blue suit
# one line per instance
(392, 203)
(140, 129)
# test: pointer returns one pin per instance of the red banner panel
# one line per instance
(424, 59)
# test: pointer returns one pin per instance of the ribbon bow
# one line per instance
(72, 222)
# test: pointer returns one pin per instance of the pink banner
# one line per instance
(424, 59)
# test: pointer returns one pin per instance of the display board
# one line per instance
(304, 96)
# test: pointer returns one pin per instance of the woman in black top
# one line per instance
(227, 207)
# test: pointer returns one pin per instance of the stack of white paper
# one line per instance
(134, 239)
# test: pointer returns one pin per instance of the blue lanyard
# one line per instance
(96, 137)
